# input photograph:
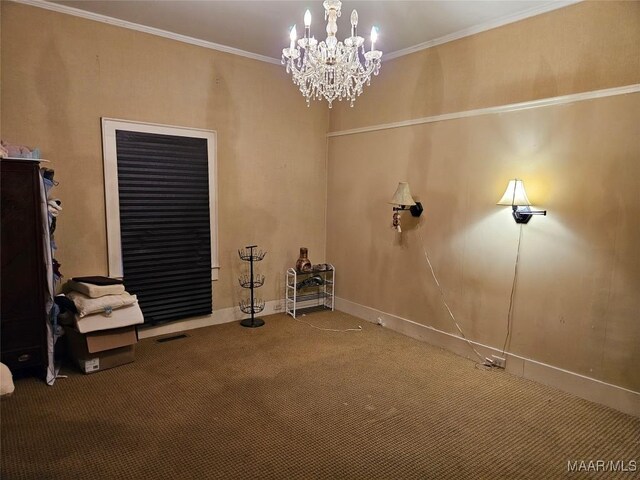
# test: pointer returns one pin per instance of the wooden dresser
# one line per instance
(22, 304)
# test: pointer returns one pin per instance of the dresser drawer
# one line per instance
(23, 358)
(23, 333)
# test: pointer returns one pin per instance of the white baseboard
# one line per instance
(224, 315)
(619, 398)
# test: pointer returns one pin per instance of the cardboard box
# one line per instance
(96, 351)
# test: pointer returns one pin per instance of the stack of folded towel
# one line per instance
(103, 304)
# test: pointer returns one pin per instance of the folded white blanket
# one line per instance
(95, 291)
(6, 381)
(122, 317)
(87, 305)
(54, 207)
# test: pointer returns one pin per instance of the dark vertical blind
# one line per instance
(163, 183)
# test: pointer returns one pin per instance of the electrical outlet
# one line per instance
(498, 361)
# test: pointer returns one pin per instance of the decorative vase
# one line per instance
(303, 264)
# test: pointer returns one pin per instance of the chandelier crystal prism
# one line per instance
(331, 69)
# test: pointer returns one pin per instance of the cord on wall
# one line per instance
(513, 291)
(485, 361)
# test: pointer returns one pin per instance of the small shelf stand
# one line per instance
(251, 306)
(311, 291)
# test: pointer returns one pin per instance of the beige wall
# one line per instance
(60, 74)
(583, 47)
(576, 303)
(579, 271)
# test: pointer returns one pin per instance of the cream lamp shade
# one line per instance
(514, 194)
(403, 197)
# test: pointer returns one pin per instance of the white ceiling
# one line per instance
(261, 27)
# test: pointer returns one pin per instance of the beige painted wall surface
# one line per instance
(587, 46)
(60, 74)
(576, 303)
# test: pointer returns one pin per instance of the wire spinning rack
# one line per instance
(248, 254)
(252, 305)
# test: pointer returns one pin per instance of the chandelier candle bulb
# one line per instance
(292, 37)
(354, 24)
(307, 24)
(374, 37)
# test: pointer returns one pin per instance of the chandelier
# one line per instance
(331, 69)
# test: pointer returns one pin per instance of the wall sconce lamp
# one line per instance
(404, 201)
(516, 196)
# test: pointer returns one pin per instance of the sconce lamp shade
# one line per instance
(517, 198)
(404, 201)
(402, 197)
(515, 194)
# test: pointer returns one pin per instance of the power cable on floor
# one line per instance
(359, 329)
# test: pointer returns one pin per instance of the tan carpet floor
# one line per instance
(290, 401)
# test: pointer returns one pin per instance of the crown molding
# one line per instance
(467, 32)
(76, 12)
(56, 7)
